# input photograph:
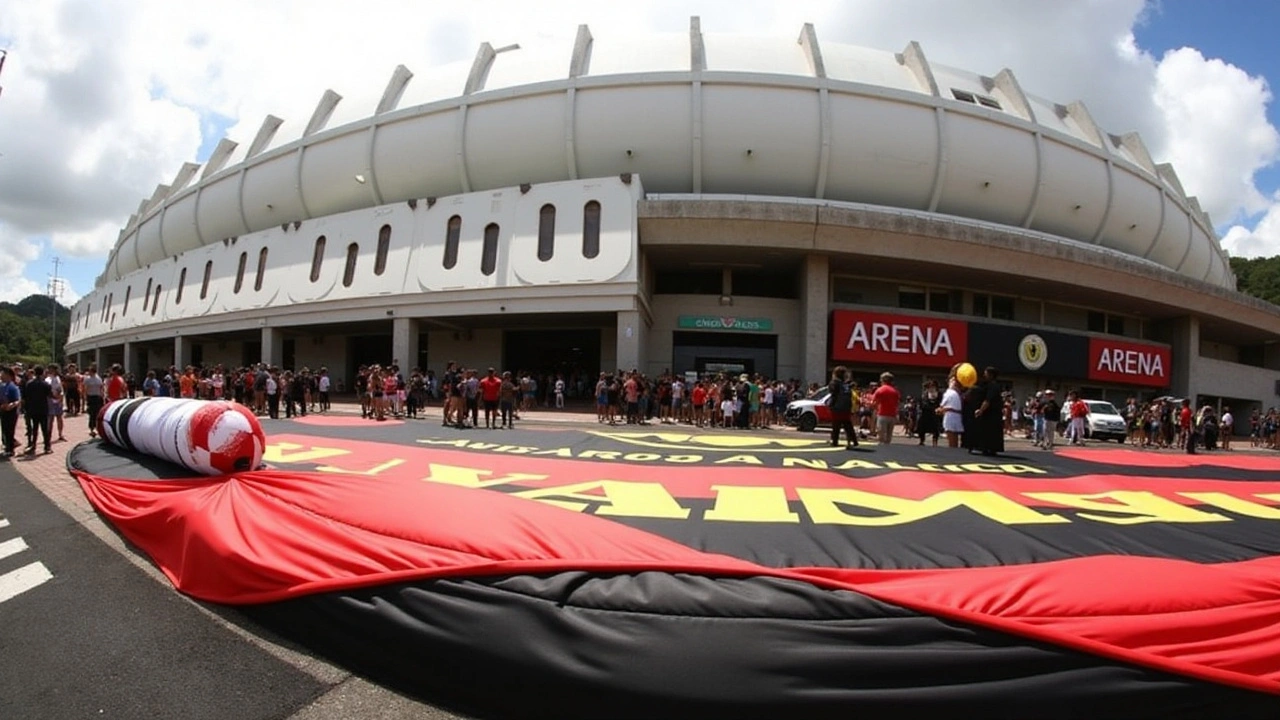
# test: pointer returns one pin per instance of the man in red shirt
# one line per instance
(885, 399)
(490, 393)
(117, 388)
(1185, 428)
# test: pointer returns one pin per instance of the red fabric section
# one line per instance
(265, 536)
(1146, 459)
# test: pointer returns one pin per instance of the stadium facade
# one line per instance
(693, 203)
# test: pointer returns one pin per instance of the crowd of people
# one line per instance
(46, 396)
(978, 417)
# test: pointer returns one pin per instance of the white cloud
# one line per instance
(1263, 240)
(105, 99)
(1217, 129)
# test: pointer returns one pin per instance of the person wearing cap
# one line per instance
(1049, 412)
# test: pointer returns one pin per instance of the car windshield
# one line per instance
(821, 395)
(1101, 407)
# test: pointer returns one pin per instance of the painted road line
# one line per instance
(12, 547)
(23, 579)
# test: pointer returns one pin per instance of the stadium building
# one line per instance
(695, 203)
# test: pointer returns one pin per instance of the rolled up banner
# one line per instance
(209, 437)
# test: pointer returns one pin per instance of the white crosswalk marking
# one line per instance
(18, 581)
(11, 547)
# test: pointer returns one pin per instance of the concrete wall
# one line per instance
(1218, 378)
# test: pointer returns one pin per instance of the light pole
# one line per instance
(55, 289)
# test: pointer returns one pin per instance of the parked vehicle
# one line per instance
(809, 413)
(1103, 422)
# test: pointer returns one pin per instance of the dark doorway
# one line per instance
(197, 354)
(575, 354)
(366, 350)
(715, 352)
(251, 353)
(289, 354)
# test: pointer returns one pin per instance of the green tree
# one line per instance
(25, 330)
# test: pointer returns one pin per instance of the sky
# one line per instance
(104, 99)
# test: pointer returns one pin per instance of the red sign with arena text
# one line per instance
(891, 339)
(1128, 362)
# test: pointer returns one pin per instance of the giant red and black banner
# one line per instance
(681, 574)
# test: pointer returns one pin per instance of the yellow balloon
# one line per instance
(966, 375)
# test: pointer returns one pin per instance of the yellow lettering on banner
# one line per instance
(473, 477)
(751, 504)
(446, 443)
(642, 457)
(894, 465)
(825, 506)
(931, 467)
(290, 453)
(815, 463)
(558, 452)
(1236, 505)
(856, 465)
(1022, 470)
(980, 468)
(376, 469)
(616, 498)
(683, 459)
(1129, 507)
(743, 459)
(600, 454)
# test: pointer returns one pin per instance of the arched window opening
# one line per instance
(452, 236)
(155, 301)
(244, 260)
(384, 245)
(262, 270)
(146, 296)
(546, 232)
(317, 257)
(182, 284)
(591, 230)
(127, 292)
(349, 274)
(204, 284)
(489, 253)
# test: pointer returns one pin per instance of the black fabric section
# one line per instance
(991, 344)
(101, 458)
(658, 645)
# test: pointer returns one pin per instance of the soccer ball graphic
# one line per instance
(222, 438)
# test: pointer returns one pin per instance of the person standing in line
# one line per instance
(116, 387)
(841, 400)
(886, 399)
(1186, 427)
(36, 394)
(1050, 411)
(93, 397)
(490, 394)
(929, 419)
(324, 383)
(1226, 426)
(507, 400)
(952, 410)
(56, 401)
(10, 401)
(559, 392)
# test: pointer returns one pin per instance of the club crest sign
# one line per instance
(1033, 352)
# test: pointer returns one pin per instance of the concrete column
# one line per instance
(404, 343)
(272, 346)
(815, 308)
(181, 353)
(97, 360)
(1184, 342)
(128, 358)
(631, 333)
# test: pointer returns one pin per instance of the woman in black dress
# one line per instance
(928, 422)
(988, 414)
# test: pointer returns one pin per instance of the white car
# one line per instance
(809, 413)
(1103, 422)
